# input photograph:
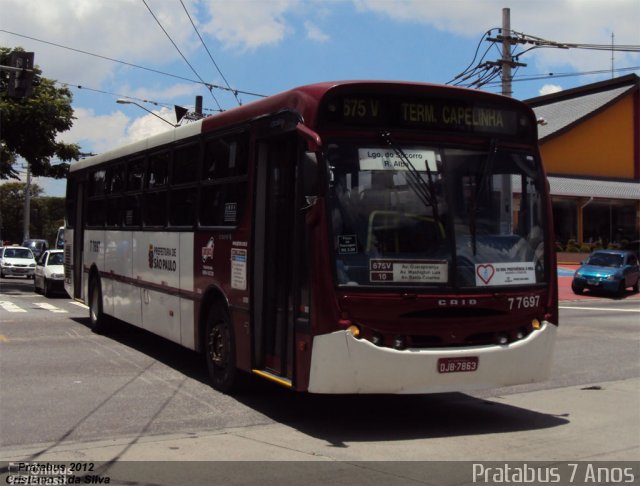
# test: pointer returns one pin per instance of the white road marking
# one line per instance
(79, 304)
(598, 309)
(11, 307)
(51, 308)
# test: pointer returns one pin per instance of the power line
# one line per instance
(538, 77)
(128, 97)
(157, 103)
(235, 93)
(485, 72)
(180, 52)
(137, 66)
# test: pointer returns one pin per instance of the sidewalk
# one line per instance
(571, 423)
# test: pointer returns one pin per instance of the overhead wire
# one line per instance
(137, 66)
(464, 72)
(235, 93)
(180, 52)
(486, 72)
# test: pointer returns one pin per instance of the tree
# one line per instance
(46, 214)
(29, 126)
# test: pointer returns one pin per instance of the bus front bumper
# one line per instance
(341, 363)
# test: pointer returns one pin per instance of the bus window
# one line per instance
(158, 170)
(185, 164)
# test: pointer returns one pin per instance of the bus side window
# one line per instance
(185, 164)
(224, 179)
(158, 170)
(97, 210)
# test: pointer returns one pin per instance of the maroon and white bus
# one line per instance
(347, 237)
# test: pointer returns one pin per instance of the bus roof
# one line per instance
(304, 99)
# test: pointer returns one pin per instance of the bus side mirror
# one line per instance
(310, 166)
(310, 174)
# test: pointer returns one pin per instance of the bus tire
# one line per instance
(220, 352)
(96, 315)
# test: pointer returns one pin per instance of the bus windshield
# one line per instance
(407, 215)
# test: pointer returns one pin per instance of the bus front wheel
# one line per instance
(220, 350)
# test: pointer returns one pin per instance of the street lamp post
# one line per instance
(122, 101)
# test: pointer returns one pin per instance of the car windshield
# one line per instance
(416, 215)
(56, 259)
(606, 260)
(18, 253)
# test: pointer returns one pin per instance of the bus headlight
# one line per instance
(354, 330)
(399, 342)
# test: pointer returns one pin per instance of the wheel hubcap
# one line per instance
(218, 349)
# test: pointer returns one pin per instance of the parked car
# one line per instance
(49, 274)
(17, 261)
(38, 247)
(608, 270)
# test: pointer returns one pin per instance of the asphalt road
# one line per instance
(69, 394)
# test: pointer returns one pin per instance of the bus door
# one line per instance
(78, 241)
(276, 256)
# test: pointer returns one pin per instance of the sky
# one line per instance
(160, 53)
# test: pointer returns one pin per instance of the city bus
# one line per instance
(346, 237)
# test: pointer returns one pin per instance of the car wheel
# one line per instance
(636, 287)
(621, 288)
(220, 350)
(576, 288)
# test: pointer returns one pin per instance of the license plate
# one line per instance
(593, 282)
(457, 365)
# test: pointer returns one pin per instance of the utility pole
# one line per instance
(506, 62)
(506, 52)
(27, 205)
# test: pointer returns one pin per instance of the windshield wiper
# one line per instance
(487, 167)
(425, 192)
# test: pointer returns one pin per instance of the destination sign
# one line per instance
(432, 114)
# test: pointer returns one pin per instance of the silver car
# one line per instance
(17, 261)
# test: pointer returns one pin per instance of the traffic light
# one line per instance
(21, 81)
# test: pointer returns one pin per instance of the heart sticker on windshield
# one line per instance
(485, 272)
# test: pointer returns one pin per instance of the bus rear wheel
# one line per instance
(220, 350)
(96, 315)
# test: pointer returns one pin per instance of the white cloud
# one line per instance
(99, 132)
(549, 89)
(314, 33)
(122, 29)
(570, 21)
(247, 24)
(149, 125)
(104, 132)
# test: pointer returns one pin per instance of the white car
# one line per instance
(16, 261)
(49, 275)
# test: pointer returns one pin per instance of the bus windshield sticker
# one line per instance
(408, 271)
(386, 159)
(238, 269)
(347, 244)
(517, 273)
